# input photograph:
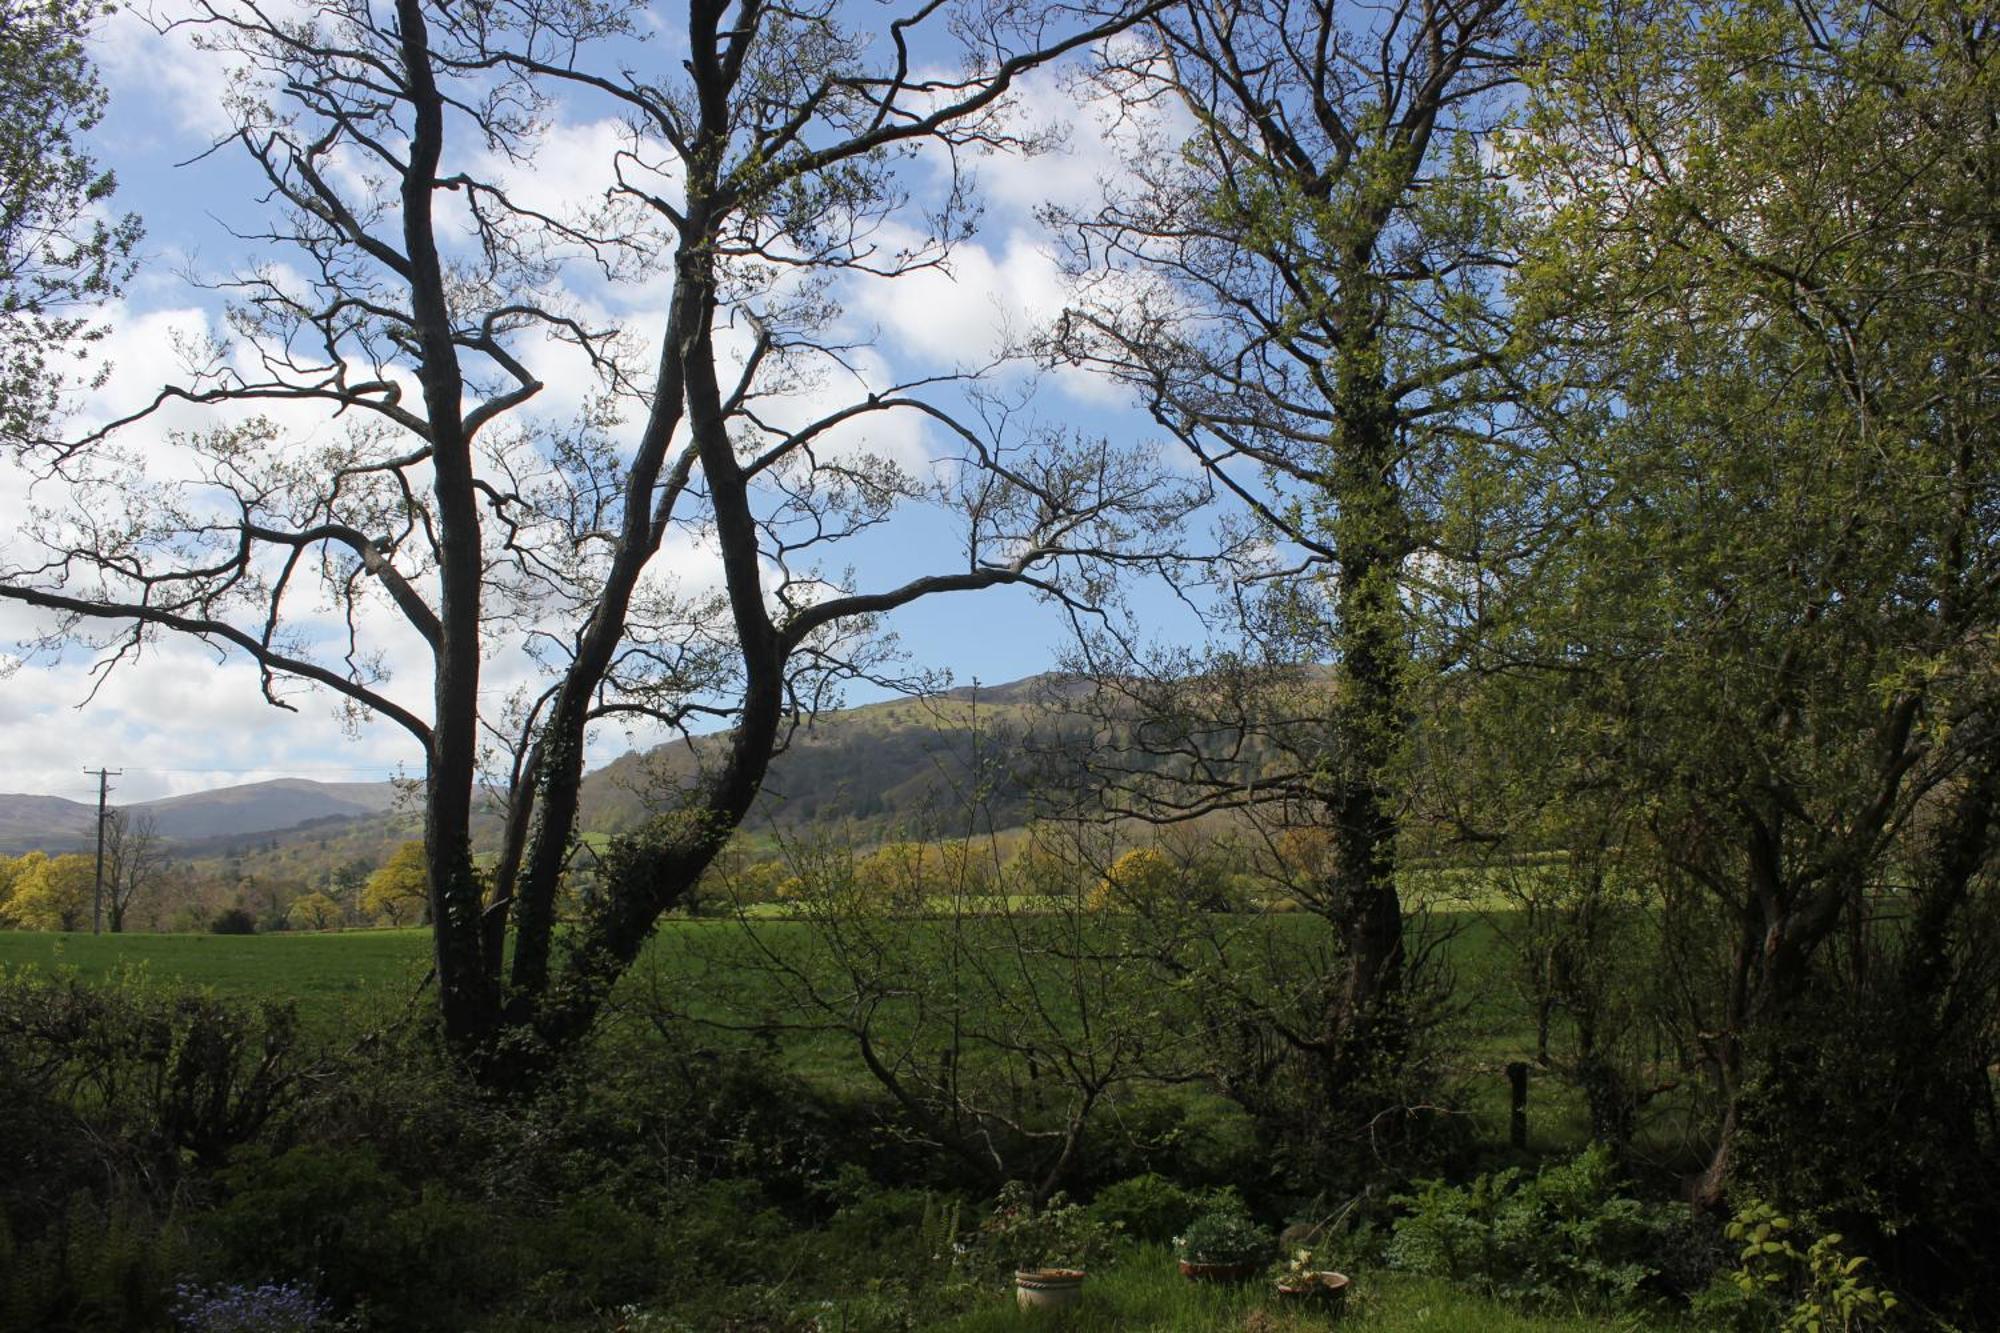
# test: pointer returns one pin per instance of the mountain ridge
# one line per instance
(876, 766)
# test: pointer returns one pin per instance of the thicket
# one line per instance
(174, 1157)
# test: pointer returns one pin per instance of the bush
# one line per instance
(157, 1080)
(1788, 1277)
(1148, 1208)
(1058, 1234)
(414, 1258)
(1564, 1235)
(1224, 1236)
(233, 921)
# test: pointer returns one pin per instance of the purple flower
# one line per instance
(269, 1307)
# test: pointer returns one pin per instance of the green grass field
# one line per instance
(342, 978)
(322, 972)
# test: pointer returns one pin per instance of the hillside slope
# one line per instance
(878, 771)
(54, 824)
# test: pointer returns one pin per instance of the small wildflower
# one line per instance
(269, 1307)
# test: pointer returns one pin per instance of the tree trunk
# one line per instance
(656, 867)
(468, 995)
(1370, 542)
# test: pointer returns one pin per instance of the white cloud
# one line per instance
(177, 720)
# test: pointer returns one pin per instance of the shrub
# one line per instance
(414, 1258)
(233, 921)
(98, 1266)
(1058, 1234)
(1811, 1282)
(168, 1078)
(1223, 1236)
(1148, 1207)
(1563, 1235)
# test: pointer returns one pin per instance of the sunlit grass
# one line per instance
(338, 977)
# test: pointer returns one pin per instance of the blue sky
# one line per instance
(181, 720)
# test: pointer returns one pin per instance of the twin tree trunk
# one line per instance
(555, 1002)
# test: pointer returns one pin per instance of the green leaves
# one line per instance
(59, 253)
(1819, 1285)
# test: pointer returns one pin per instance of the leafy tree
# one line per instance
(761, 152)
(52, 892)
(345, 882)
(1044, 866)
(1771, 636)
(10, 873)
(314, 911)
(903, 875)
(234, 921)
(399, 892)
(897, 875)
(1303, 290)
(1142, 880)
(58, 252)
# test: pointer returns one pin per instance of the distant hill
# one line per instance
(261, 806)
(878, 771)
(54, 824)
(48, 822)
(884, 770)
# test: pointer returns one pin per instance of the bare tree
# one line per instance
(1004, 1029)
(758, 167)
(135, 862)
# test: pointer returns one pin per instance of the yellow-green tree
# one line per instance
(1141, 880)
(314, 911)
(52, 893)
(894, 876)
(965, 866)
(10, 871)
(399, 893)
(1048, 865)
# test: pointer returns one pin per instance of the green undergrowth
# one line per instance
(1144, 1293)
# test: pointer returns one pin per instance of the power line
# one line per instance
(288, 770)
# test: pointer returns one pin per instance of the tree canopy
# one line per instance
(59, 250)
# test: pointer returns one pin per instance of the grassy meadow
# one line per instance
(341, 978)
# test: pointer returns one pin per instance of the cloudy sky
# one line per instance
(181, 718)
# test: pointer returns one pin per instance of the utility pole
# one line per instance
(104, 776)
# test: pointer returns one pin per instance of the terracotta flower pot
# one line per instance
(1327, 1290)
(1199, 1272)
(1048, 1288)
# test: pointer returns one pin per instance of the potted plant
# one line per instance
(1304, 1279)
(1048, 1248)
(1222, 1246)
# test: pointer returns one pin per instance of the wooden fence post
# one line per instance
(1517, 1103)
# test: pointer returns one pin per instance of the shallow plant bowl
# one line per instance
(1326, 1289)
(1048, 1288)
